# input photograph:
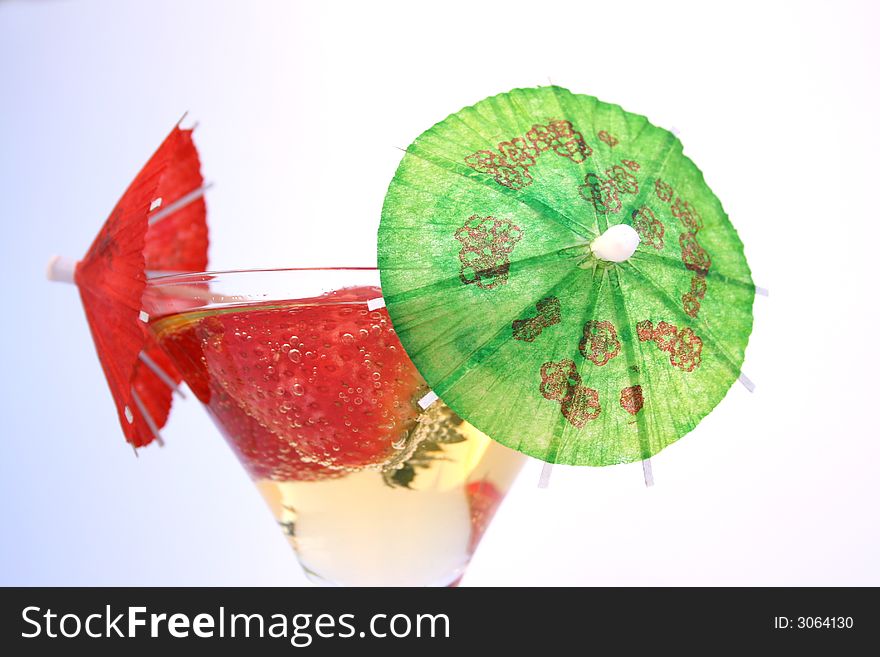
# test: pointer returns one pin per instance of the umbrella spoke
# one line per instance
(726, 358)
(539, 207)
(560, 436)
(176, 205)
(546, 471)
(454, 281)
(161, 374)
(648, 472)
(711, 275)
(151, 423)
(634, 369)
(500, 338)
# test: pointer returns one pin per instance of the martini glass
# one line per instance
(372, 479)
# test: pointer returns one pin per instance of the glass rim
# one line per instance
(165, 277)
(175, 292)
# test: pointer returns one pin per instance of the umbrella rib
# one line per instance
(630, 359)
(674, 147)
(560, 425)
(579, 179)
(537, 259)
(644, 193)
(466, 366)
(156, 273)
(597, 216)
(558, 96)
(528, 200)
(162, 374)
(147, 417)
(597, 283)
(519, 313)
(668, 152)
(707, 331)
(179, 204)
(536, 205)
(670, 383)
(643, 188)
(460, 119)
(419, 292)
(668, 149)
(678, 265)
(648, 373)
(544, 479)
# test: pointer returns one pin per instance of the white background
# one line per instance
(302, 107)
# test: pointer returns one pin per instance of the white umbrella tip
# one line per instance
(616, 244)
(61, 269)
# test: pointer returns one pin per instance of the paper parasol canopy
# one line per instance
(158, 225)
(507, 265)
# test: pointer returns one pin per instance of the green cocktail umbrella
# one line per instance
(563, 277)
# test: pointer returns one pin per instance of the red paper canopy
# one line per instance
(158, 225)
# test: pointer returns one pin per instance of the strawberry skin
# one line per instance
(326, 376)
(483, 500)
(264, 454)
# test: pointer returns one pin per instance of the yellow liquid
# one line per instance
(358, 530)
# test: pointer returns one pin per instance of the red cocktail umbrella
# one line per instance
(158, 225)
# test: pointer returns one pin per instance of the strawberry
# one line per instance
(179, 338)
(483, 500)
(264, 454)
(326, 375)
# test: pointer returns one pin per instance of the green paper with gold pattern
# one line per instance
(489, 278)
